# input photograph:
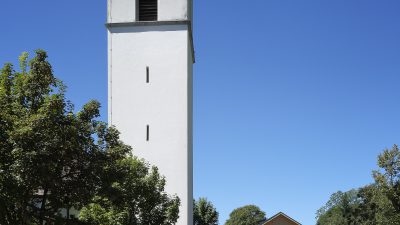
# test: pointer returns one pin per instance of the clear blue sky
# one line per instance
(293, 100)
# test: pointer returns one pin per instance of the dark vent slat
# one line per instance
(148, 10)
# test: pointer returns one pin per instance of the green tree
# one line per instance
(375, 208)
(246, 215)
(53, 159)
(137, 197)
(46, 147)
(339, 209)
(204, 212)
(375, 204)
(388, 178)
(365, 206)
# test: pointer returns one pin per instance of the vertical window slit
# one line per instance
(147, 133)
(147, 75)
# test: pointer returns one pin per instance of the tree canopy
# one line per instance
(53, 160)
(204, 213)
(374, 204)
(246, 215)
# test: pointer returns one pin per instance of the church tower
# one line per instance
(150, 58)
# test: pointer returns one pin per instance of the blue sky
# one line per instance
(293, 100)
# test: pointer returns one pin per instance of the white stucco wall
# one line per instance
(120, 11)
(165, 104)
(172, 10)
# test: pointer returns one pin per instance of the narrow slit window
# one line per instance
(147, 133)
(147, 75)
(148, 10)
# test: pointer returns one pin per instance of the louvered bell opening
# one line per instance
(148, 10)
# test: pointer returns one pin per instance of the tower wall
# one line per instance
(164, 104)
(122, 11)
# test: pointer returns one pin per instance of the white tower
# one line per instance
(150, 58)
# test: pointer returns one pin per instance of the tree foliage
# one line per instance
(374, 204)
(204, 213)
(246, 215)
(388, 179)
(53, 160)
(136, 198)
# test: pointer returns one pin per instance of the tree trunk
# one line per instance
(24, 216)
(43, 207)
(68, 215)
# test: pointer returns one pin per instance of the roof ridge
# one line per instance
(280, 214)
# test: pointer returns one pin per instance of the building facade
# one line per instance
(150, 58)
(280, 219)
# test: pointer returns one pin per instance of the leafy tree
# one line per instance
(375, 208)
(47, 150)
(53, 160)
(375, 204)
(365, 206)
(339, 209)
(137, 198)
(389, 179)
(204, 212)
(246, 215)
